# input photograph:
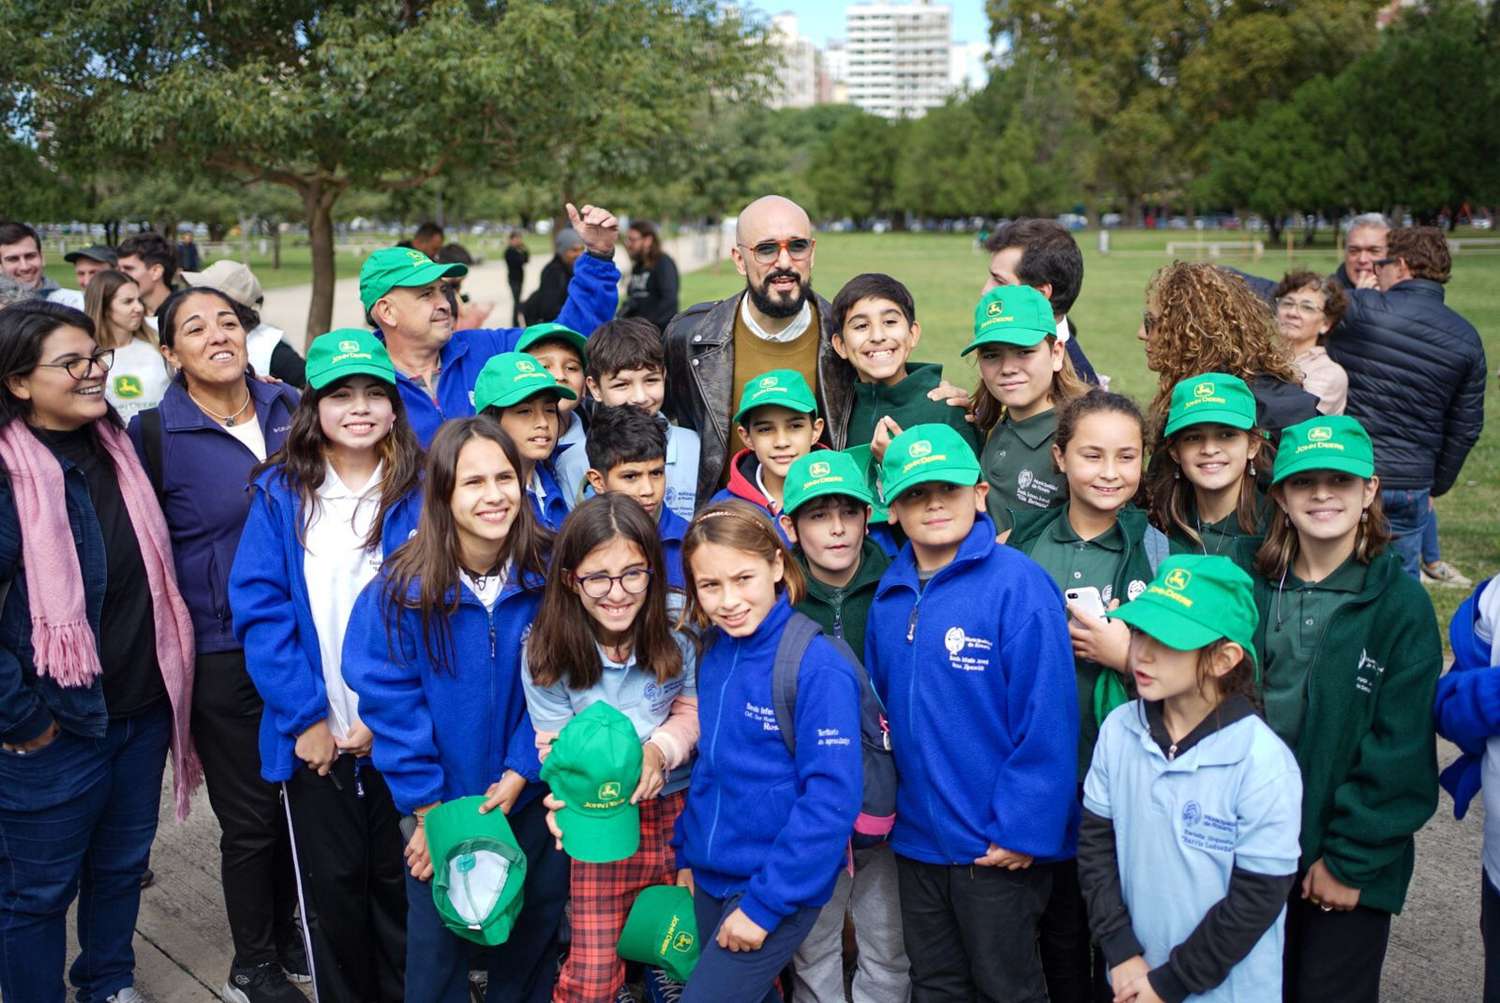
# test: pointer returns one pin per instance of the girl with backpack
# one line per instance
(764, 833)
(603, 633)
(326, 508)
(1350, 657)
(434, 651)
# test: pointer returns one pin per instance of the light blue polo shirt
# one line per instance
(1181, 827)
(683, 449)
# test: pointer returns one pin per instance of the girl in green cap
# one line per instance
(1350, 655)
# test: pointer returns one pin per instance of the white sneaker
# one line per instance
(126, 995)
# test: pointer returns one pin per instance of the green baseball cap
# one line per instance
(1193, 601)
(553, 332)
(925, 453)
(1334, 442)
(1216, 398)
(390, 267)
(870, 467)
(478, 870)
(781, 387)
(1011, 315)
(824, 472)
(593, 768)
(345, 352)
(662, 930)
(511, 377)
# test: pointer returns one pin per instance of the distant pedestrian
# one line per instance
(652, 293)
(546, 304)
(516, 257)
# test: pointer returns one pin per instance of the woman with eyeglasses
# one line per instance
(139, 375)
(1308, 306)
(85, 726)
(214, 424)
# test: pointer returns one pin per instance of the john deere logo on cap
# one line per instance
(767, 382)
(919, 449)
(609, 790)
(417, 257)
(1319, 433)
(993, 310)
(1178, 579)
(348, 346)
(523, 366)
(684, 942)
(819, 469)
(1203, 390)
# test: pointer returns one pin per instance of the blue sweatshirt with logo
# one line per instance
(976, 672)
(273, 617)
(759, 824)
(449, 731)
(672, 528)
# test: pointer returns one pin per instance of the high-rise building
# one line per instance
(898, 56)
(833, 73)
(796, 83)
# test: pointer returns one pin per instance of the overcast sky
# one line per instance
(821, 20)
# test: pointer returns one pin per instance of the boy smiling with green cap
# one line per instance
(778, 417)
(517, 391)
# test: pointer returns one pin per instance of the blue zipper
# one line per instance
(714, 755)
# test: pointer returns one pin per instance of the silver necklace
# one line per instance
(227, 420)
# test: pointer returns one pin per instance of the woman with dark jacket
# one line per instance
(214, 425)
(85, 727)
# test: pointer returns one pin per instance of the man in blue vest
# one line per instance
(403, 296)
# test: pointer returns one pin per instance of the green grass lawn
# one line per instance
(944, 273)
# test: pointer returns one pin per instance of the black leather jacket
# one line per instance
(700, 377)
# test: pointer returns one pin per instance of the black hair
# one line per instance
(872, 285)
(12, 232)
(427, 230)
(166, 314)
(152, 248)
(1049, 256)
(626, 343)
(454, 254)
(624, 434)
(23, 328)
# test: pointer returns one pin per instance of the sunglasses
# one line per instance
(767, 251)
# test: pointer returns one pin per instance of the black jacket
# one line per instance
(652, 292)
(543, 306)
(700, 377)
(515, 263)
(1416, 382)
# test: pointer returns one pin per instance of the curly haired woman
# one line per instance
(1200, 318)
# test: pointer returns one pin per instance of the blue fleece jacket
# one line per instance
(273, 618)
(758, 823)
(1466, 710)
(553, 508)
(444, 732)
(976, 672)
(593, 295)
(672, 528)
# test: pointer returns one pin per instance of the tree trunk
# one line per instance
(317, 200)
(275, 227)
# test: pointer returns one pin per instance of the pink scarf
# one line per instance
(63, 643)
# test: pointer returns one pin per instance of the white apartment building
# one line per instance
(898, 58)
(797, 85)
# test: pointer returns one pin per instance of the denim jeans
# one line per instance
(77, 819)
(1406, 511)
(1432, 552)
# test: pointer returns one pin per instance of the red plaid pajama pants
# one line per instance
(602, 897)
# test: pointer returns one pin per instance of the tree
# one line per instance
(319, 97)
(853, 173)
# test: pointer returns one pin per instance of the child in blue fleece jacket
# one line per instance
(434, 652)
(968, 647)
(764, 834)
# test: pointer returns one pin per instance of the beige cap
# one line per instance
(232, 278)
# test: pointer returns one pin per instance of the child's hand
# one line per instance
(553, 806)
(952, 396)
(1123, 976)
(740, 933)
(1324, 890)
(685, 880)
(316, 748)
(653, 774)
(417, 857)
(1104, 641)
(503, 793)
(886, 429)
(998, 856)
(1139, 991)
(358, 741)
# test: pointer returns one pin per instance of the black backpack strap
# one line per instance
(795, 637)
(151, 444)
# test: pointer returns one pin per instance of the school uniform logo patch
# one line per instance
(1134, 589)
(1367, 672)
(1024, 479)
(966, 652)
(1202, 831)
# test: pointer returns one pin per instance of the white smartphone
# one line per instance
(1087, 599)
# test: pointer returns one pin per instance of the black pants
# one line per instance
(349, 855)
(1489, 929)
(255, 854)
(1333, 955)
(971, 932)
(515, 302)
(1073, 968)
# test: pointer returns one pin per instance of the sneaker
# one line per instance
(293, 960)
(261, 984)
(661, 987)
(479, 985)
(1443, 573)
(148, 878)
(624, 995)
(126, 995)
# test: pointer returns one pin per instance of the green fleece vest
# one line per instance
(844, 612)
(1367, 751)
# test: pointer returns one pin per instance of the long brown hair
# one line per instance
(430, 562)
(648, 229)
(563, 643)
(739, 526)
(1279, 548)
(100, 296)
(303, 459)
(1170, 496)
(1066, 385)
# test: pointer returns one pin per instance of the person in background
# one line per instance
(188, 257)
(516, 256)
(214, 424)
(470, 312)
(22, 259)
(546, 304)
(88, 262)
(85, 726)
(1308, 306)
(148, 259)
(1041, 253)
(428, 239)
(267, 347)
(139, 375)
(652, 292)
